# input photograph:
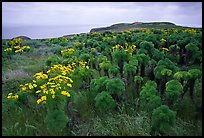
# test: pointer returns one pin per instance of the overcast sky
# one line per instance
(98, 14)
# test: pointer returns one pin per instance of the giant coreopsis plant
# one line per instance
(173, 91)
(194, 75)
(148, 96)
(162, 120)
(120, 56)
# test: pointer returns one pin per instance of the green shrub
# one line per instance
(115, 86)
(53, 60)
(162, 120)
(99, 84)
(56, 121)
(33, 43)
(104, 101)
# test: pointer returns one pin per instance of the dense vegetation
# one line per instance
(139, 82)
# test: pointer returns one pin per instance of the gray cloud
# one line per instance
(102, 13)
(82, 16)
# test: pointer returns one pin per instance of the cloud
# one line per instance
(101, 13)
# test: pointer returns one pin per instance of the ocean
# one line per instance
(41, 32)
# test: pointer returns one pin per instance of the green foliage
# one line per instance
(143, 59)
(129, 68)
(33, 43)
(105, 65)
(133, 60)
(91, 111)
(147, 45)
(173, 90)
(166, 72)
(121, 125)
(53, 60)
(115, 86)
(104, 101)
(195, 73)
(56, 121)
(164, 67)
(119, 56)
(99, 84)
(148, 96)
(182, 75)
(191, 47)
(84, 57)
(57, 49)
(114, 69)
(138, 79)
(162, 120)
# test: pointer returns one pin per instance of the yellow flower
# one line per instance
(43, 98)
(30, 86)
(17, 47)
(68, 95)
(39, 101)
(52, 92)
(70, 80)
(69, 85)
(15, 97)
(34, 80)
(10, 93)
(64, 73)
(9, 96)
(38, 91)
(35, 85)
(65, 93)
(23, 88)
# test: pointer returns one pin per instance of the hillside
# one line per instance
(136, 25)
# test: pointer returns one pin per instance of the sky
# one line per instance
(99, 14)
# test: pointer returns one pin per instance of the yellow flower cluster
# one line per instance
(191, 31)
(64, 70)
(130, 49)
(67, 51)
(117, 47)
(18, 49)
(40, 75)
(82, 64)
(28, 87)
(65, 93)
(42, 99)
(8, 49)
(11, 96)
(54, 86)
(16, 41)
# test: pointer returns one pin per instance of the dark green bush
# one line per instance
(162, 120)
(104, 101)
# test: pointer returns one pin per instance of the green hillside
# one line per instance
(137, 25)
